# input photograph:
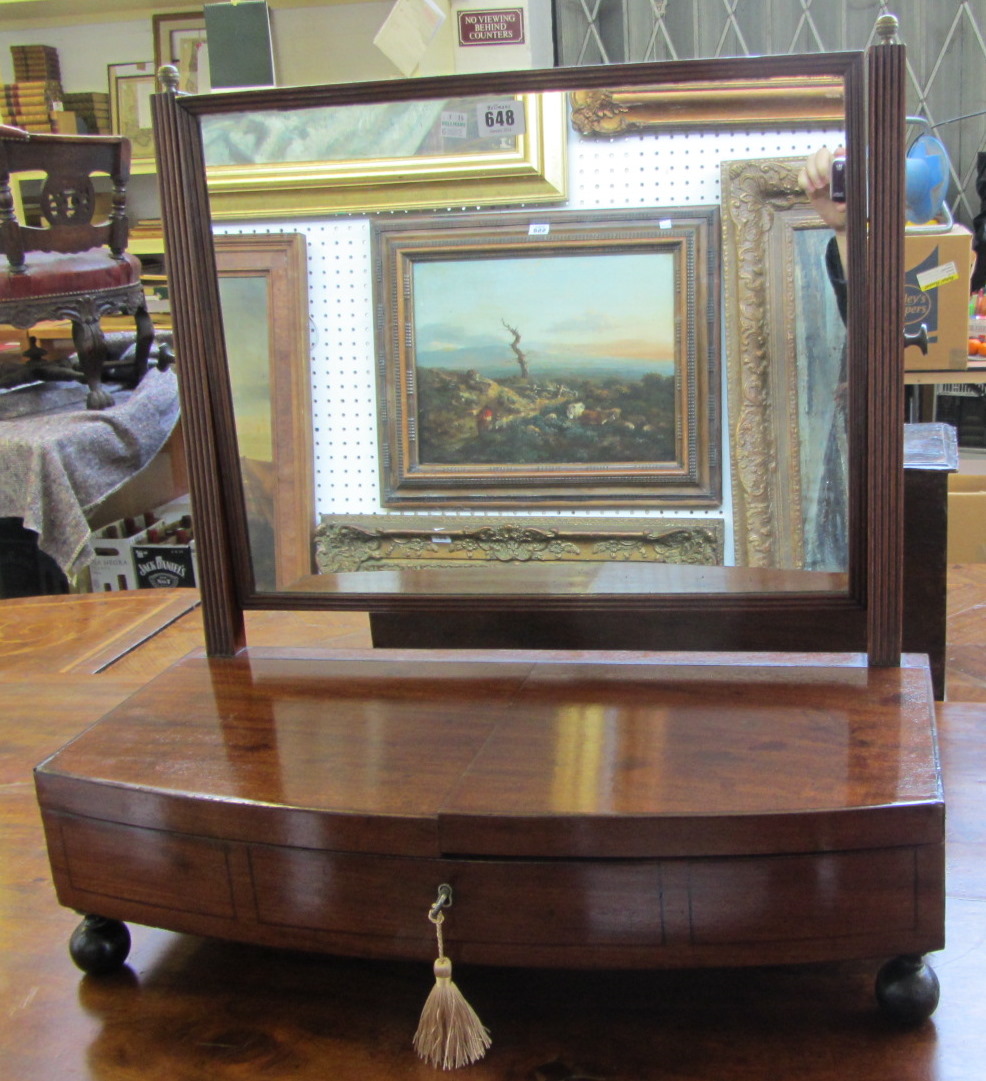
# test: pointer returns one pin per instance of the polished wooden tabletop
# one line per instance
(193, 1008)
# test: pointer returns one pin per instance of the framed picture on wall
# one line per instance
(263, 292)
(757, 103)
(785, 372)
(180, 39)
(374, 156)
(131, 87)
(549, 359)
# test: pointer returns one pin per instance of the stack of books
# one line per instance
(35, 63)
(66, 123)
(29, 105)
(92, 109)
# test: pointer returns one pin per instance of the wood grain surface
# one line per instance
(654, 809)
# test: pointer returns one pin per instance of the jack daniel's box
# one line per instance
(112, 567)
(937, 268)
(164, 555)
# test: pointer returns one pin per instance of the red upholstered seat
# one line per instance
(55, 273)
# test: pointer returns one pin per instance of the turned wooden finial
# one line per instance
(886, 29)
(167, 76)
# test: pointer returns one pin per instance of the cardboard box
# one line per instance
(967, 518)
(937, 268)
(112, 568)
(176, 508)
(166, 563)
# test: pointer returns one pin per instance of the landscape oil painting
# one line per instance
(551, 359)
(546, 360)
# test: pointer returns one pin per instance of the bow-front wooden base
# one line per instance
(603, 810)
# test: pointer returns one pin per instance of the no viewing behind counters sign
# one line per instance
(493, 26)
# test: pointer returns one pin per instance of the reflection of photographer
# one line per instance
(815, 181)
(829, 551)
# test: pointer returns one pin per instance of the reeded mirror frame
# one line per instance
(864, 618)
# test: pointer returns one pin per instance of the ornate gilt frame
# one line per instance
(756, 102)
(762, 206)
(394, 542)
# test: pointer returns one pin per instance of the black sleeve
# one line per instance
(837, 276)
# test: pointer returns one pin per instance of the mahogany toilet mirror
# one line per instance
(653, 805)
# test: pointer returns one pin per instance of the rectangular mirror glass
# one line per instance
(571, 341)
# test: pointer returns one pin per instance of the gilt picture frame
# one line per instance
(131, 87)
(383, 157)
(402, 542)
(786, 377)
(180, 39)
(549, 359)
(817, 101)
(264, 298)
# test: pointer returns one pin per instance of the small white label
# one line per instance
(665, 223)
(539, 230)
(455, 125)
(939, 275)
(441, 540)
(505, 117)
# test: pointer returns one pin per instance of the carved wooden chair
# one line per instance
(70, 267)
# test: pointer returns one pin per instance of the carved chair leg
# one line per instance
(145, 340)
(91, 347)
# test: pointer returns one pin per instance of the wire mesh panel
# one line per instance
(946, 51)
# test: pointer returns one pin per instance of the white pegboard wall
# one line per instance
(342, 359)
(343, 367)
(650, 169)
(644, 170)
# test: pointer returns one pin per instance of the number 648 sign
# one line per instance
(502, 117)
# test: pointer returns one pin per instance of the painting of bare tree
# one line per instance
(582, 372)
(571, 361)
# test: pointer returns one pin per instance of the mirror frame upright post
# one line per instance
(194, 289)
(885, 377)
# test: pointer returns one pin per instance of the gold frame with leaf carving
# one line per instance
(767, 365)
(396, 542)
(812, 101)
